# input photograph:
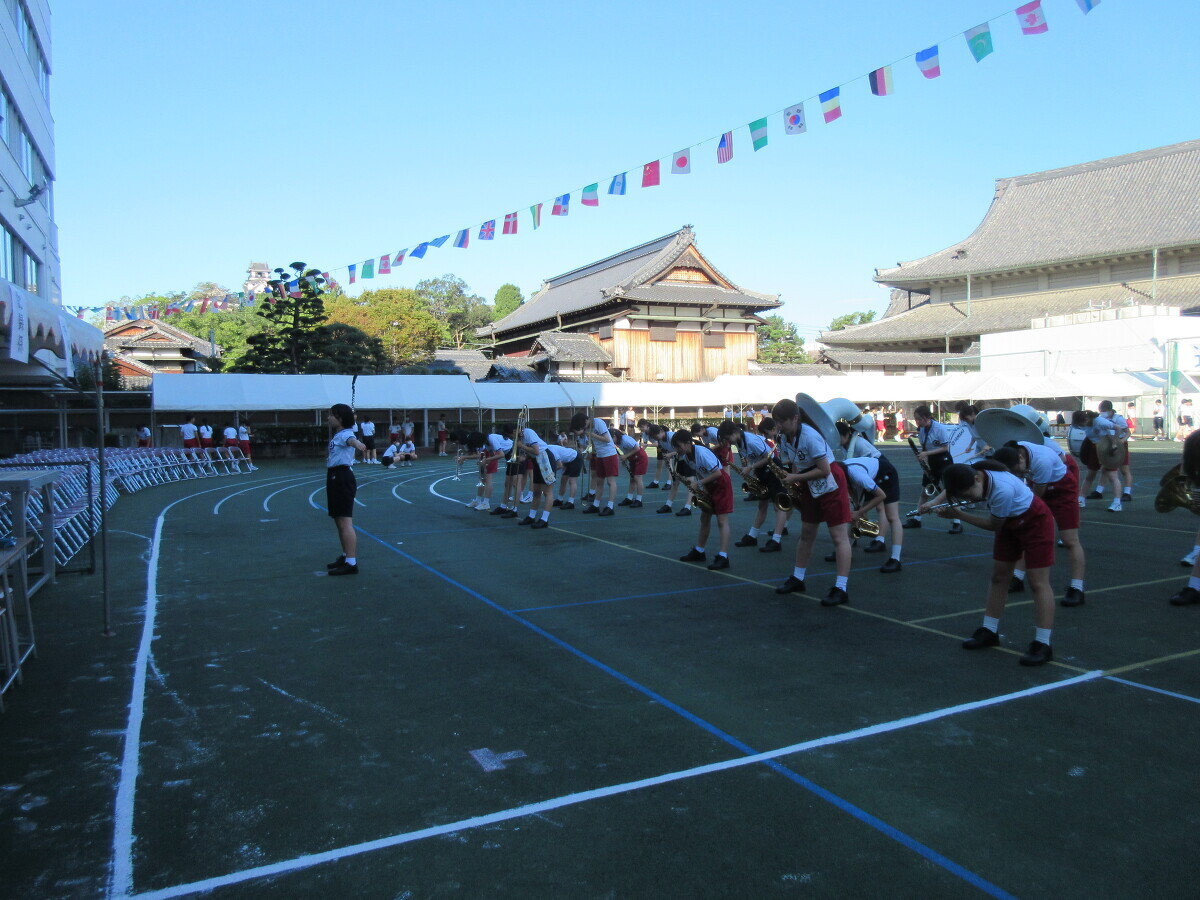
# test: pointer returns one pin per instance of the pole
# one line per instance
(102, 466)
(1154, 278)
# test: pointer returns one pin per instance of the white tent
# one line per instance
(251, 393)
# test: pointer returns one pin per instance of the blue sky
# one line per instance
(193, 138)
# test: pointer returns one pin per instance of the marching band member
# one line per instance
(966, 419)
(340, 486)
(934, 440)
(188, 432)
(712, 478)
(824, 497)
(604, 466)
(514, 481)
(389, 453)
(1054, 477)
(1108, 424)
(1190, 469)
(645, 426)
(756, 452)
(366, 429)
(231, 435)
(206, 435)
(666, 452)
(443, 434)
(1023, 526)
(876, 480)
(407, 453)
(491, 448)
(770, 433)
(531, 445)
(637, 461)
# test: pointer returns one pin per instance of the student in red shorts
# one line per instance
(710, 478)
(637, 462)
(1023, 526)
(189, 433)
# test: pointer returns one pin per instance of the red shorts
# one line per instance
(245, 445)
(638, 463)
(206, 443)
(143, 442)
(724, 455)
(232, 442)
(1031, 534)
(191, 444)
(721, 491)
(443, 435)
(492, 466)
(605, 467)
(832, 508)
(1061, 497)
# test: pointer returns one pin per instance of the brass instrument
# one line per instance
(1176, 491)
(459, 459)
(751, 485)
(863, 527)
(521, 420)
(929, 482)
(949, 504)
(700, 497)
(790, 497)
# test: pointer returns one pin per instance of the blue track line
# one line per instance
(846, 806)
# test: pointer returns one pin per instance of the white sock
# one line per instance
(896, 548)
(1129, 490)
(1077, 583)
(753, 532)
(1099, 489)
(352, 560)
(1043, 635)
(840, 584)
(610, 504)
(777, 538)
(723, 553)
(1019, 574)
(687, 506)
(956, 521)
(629, 496)
(1196, 548)
(545, 515)
(991, 624)
(667, 504)
(699, 549)
(799, 573)
(1194, 583)
(638, 498)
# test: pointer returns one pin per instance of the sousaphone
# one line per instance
(824, 424)
(999, 426)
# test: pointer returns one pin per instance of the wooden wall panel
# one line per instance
(684, 359)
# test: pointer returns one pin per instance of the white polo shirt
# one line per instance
(1006, 495)
(530, 438)
(603, 448)
(705, 462)
(1046, 465)
(562, 454)
(803, 450)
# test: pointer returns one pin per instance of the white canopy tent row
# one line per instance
(422, 394)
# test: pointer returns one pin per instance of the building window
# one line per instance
(606, 332)
(25, 155)
(6, 255)
(661, 332)
(714, 340)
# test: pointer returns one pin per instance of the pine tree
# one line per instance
(292, 312)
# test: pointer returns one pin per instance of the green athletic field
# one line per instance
(487, 711)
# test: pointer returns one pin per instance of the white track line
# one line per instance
(314, 859)
(1146, 687)
(217, 508)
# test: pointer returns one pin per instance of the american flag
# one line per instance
(510, 223)
(725, 148)
(487, 231)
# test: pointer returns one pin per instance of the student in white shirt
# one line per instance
(243, 435)
(143, 436)
(340, 486)
(604, 466)
(1107, 424)
(711, 479)
(876, 482)
(637, 463)
(558, 458)
(1189, 468)
(189, 432)
(407, 453)
(934, 440)
(231, 435)
(754, 452)
(389, 457)
(206, 435)
(666, 453)
(1023, 525)
(367, 429)
(491, 449)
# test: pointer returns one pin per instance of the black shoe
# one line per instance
(911, 523)
(686, 511)
(667, 486)
(1073, 597)
(835, 597)
(498, 511)
(528, 520)
(636, 504)
(591, 509)
(540, 523)
(557, 504)
(1016, 586)
(746, 541)
(1039, 654)
(790, 586)
(771, 546)
(607, 511)
(652, 484)
(628, 501)
(892, 565)
(983, 637)
(1126, 497)
(832, 557)
(1060, 543)
(693, 555)
(337, 563)
(1094, 495)
(955, 528)
(1186, 597)
(508, 514)
(721, 562)
(568, 504)
(876, 546)
(663, 510)
(345, 569)
(784, 533)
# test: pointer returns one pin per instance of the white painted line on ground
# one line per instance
(1146, 687)
(217, 508)
(314, 859)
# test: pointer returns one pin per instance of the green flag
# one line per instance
(368, 269)
(979, 40)
(758, 133)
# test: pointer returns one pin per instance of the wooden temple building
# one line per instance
(145, 347)
(656, 312)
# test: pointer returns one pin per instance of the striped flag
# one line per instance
(793, 120)
(979, 41)
(725, 148)
(487, 231)
(589, 196)
(562, 205)
(831, 104)
(368, 271)
(437, 242)
(927, 62)
(1032, 20)
(617, 185)
(758, 134)
(419, 250)
(353, 269)
(510, 223)
(462, 239)
(385, 265)
(650, 174)
(535, 213)
(329, 281)
(1087, 5)
(881, 82)
(681, 163)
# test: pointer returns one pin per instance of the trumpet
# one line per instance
(949, 504)
(929, 482)
(790, 497)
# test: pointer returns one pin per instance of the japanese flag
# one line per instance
(681, 162)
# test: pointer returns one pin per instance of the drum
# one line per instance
(1075, 438)
(962, 444)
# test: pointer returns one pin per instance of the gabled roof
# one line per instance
(937, 321)
(473, 362)
(633, 274)
(793, 369)
(152, 333)
(1121, 205)
(559, 346)
(842, 357)
(509, 370)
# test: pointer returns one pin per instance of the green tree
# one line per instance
(230, 329)
(340, 349)
(288, 341)
(780, 342)
(508, 298)
(397, 316)
(459, 312)
(854, 318)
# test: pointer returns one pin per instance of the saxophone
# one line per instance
(700, 497)
(790, 497)
(751, 485)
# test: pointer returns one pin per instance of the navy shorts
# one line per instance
(340, 488)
